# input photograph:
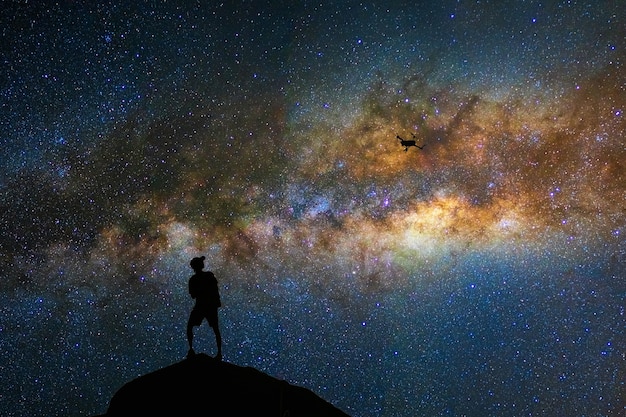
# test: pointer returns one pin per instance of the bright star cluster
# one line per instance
(480, 272)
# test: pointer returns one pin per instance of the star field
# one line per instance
(482, 274)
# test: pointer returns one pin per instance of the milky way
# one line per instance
(481, 273)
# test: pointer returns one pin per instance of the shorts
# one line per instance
(197, 315)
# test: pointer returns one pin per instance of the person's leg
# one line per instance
(214, 323)
(190, 336)
(218, 340)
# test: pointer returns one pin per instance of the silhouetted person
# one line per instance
(203, 288)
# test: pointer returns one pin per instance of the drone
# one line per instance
(408, 143)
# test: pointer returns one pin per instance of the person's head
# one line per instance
(197, 264)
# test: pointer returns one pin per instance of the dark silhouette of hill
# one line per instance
(202, 385)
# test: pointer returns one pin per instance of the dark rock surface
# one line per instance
(201, 385)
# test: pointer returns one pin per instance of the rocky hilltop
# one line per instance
(203, 386)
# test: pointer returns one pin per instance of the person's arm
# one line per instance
(216, 291)
(192, 288)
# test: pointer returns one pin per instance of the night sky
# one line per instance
(482, 275)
